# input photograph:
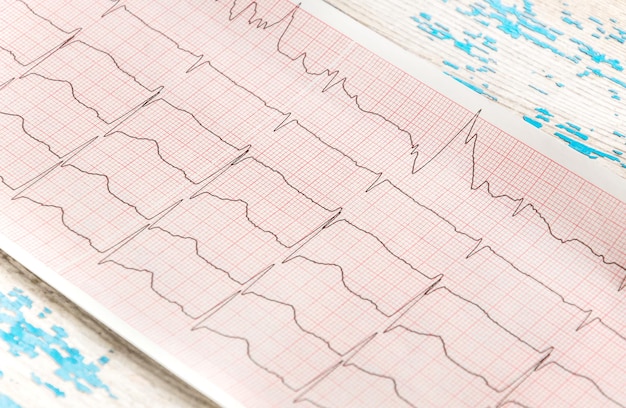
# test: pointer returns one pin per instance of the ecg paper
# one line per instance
(283, 218)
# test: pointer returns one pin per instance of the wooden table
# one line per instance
(564, 74)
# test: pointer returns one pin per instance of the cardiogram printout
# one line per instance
(283, 218)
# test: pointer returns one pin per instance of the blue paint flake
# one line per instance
(471, 86)
(560, 84)
(489, 42)
(614, 95)
(597, 56)
(57, 392)
(533, 122)
(574, 58)
(573, 22)
(573, 129)
(450, 64)
(583, 74)
(441, 32)
(103, 360)
(528, 8)
(442, 27)
(471, 35)
(600, 74)
(584, 149)
(425, 16)
(26, 339)
(621, 40)
(544, 111)
(570, 124)
(6, 402)
(518, 24)
(595, 20)
(484, 69)
(617, 152)
(556, 31)
(474, 11)
(542, 117)
(538, 90)
(619, 134)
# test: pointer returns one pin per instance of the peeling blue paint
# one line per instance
(24, 338)
(584, 149)
(573, 129)
(595, 20)
(533, 122)
(597, 56)
(584, 73)
(538, 89)
(598, 72)
(614, 95)
(490, 43)
(556, 31)
(450, 64)
(471, 86)
(57, 392)
(7, 402)
(573, 22)
(542, 117)
(472, 35)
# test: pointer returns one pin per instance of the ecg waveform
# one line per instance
(354, 237)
